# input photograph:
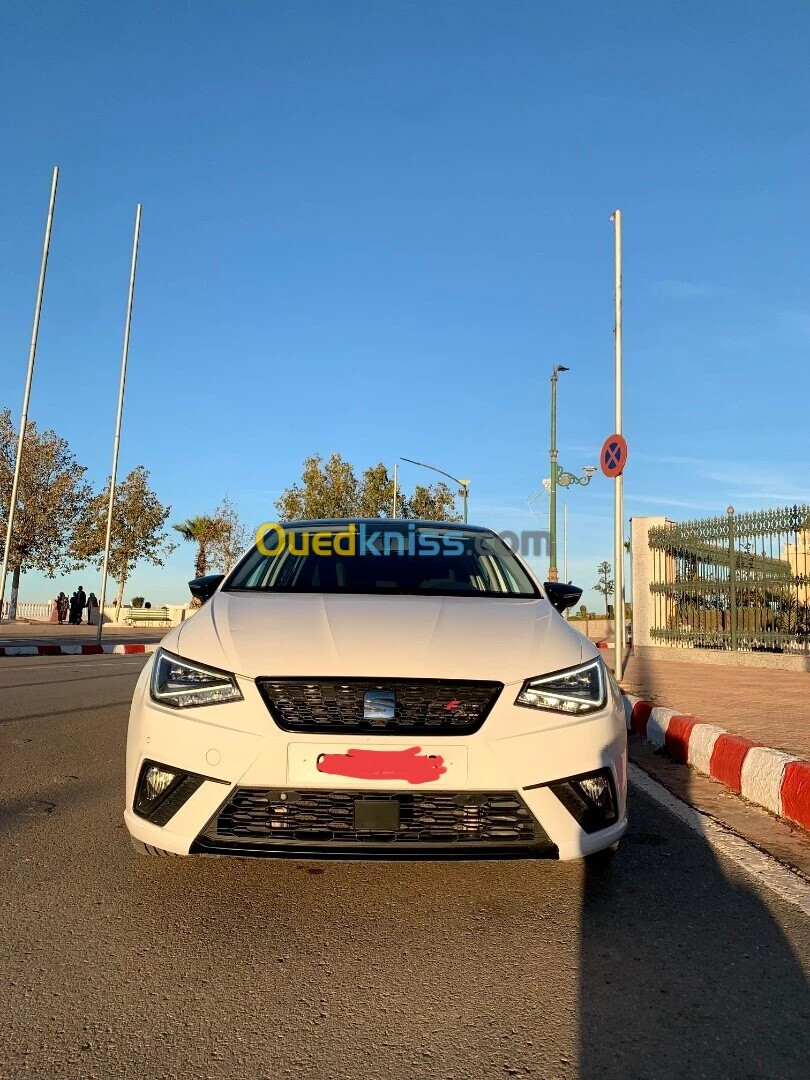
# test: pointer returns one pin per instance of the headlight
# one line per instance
(576, 690)
(183, 684)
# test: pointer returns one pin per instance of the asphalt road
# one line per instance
(673, 964)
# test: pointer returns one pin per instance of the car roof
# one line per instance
(381, 522)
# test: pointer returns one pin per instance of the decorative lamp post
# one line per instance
(558, 477)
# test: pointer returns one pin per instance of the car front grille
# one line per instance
(345, 706)
(262, 816)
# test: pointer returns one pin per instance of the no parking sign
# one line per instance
(614, 456)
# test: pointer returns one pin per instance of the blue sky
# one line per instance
(374, 227)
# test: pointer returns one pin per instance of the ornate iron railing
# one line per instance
(741, 581)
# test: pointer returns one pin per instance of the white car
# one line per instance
(377, 688)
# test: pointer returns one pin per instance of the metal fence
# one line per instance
(741, 581)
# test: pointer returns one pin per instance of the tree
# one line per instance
(330, 489)
(230, 537)
(605, 583)
(138, 533)
(376, 494)
(203, 532)
(51, 516)
(327, 490)
(432, 502)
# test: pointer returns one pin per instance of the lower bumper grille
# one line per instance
(262, 817)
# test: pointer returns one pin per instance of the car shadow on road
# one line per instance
(684, 969)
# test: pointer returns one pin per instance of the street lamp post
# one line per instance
(117, 439)
(560, 477)
(618, 483)
(464, 485)
(32, 353)
(552, 512)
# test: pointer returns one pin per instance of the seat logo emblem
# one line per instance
(379, 705)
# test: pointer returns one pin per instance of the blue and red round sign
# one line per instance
(614, 456)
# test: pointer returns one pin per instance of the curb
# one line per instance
(777, 781)
(75, 650)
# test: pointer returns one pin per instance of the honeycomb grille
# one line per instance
(260, 815)
(420, 706)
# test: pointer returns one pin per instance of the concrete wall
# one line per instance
(597, 629)
(177, 613)
(725, 658)
(41, 612)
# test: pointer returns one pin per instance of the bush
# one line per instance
(136, 601)
(583, 613)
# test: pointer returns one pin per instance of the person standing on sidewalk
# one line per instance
(92, 610)
(81, 604)
(61, 607)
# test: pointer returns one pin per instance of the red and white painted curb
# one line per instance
(780, 782)
(74, 650)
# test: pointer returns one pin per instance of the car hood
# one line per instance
(309, 634)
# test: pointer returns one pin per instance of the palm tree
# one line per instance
(201, 531)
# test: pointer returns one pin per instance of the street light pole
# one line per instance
(463, 484)
(618, 492)
(552, 510)
(119, 415)
(32, 353)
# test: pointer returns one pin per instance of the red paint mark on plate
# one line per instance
(408, 765)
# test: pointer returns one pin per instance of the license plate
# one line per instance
(379, 765)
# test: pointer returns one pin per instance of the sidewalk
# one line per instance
(20, 633)
(767, 706)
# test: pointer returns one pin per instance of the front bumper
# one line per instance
(233, 748)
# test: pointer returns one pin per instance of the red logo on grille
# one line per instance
(454, 704)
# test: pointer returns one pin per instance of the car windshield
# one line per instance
(385, 558)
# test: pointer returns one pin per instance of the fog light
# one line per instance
(155, 782)
(595, 788)
(161, 791)
(590, 799)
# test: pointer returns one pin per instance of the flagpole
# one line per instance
(32, 353)
(117, 439)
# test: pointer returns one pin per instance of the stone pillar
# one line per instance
(642, 563)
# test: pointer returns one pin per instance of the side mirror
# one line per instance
(203, 588)
(560, 595)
